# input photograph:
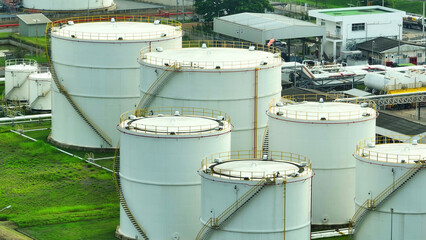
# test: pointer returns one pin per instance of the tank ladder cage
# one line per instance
(70, 100)
(371, 204)
(217, 223)
(123, 203)
(157, 85)
(265, 143)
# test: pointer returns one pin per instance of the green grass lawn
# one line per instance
(46, 188)
(103, 229)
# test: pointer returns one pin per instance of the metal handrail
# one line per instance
(248, 155)
(21, 61)
(59, 29)
(126, 117)
(364, 146)
(211, 64)
(274, 108)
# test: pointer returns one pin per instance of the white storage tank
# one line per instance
(238, 78)
(160, 153)
(16, 78)
(251, 198)
(67, 5)
(95, 62)
(390, 189)
(40, 95)
(327, 133)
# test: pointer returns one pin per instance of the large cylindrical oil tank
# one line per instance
(390, 188)
(40, 95)
(95, 62)
(238, 78)
(160, 153)
(16, 78)
(250, 198)
(67, 5)
(327, 133)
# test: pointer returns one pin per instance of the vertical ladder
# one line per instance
(371, 204)
(265, 146)
(216, 223)
(116, 172)
(62, 90)
(156, 86)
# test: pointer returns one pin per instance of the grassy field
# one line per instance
(103, 229)
(47, 188)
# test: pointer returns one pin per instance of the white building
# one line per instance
(347, 26)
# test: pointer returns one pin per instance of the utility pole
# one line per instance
(177, 10)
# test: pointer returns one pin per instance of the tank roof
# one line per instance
(116, 31)
(170, 121)
(239, 165)
(406, 153)
(250, 168)
(215, 55)
(22, 67)
(43, 76)
(321, 111)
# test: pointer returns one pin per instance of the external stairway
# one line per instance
(371, 204)
(216, 223)
(64, 92)
(123, 202)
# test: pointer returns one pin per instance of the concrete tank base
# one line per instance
(74, 147)
(121, 236)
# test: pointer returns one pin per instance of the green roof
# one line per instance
(355, 12)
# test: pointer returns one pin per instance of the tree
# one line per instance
(215, 8)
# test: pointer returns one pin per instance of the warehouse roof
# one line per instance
(265, 26)
(264, 21)
(36, 18)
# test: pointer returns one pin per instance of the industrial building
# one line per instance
(96, 74)
(261, 27)
(345, 27)
(32, 25)
(388, 51)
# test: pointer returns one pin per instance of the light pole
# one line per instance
(399, 40)
(372, 51)
(6, 208)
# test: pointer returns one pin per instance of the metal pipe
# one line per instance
(27, 117)
(379, 96)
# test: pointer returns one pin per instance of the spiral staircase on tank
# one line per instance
(371, 204)
(64, 92)
(157, 85)
(217, 223)
(123, 203)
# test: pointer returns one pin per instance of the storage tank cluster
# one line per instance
(390, 192)
(160, 153)
(27, 83)
(94, 59)
(327, 133)
(40, 97)
(246, 197)
(17, 72)
(67, 5)
(238, 78)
